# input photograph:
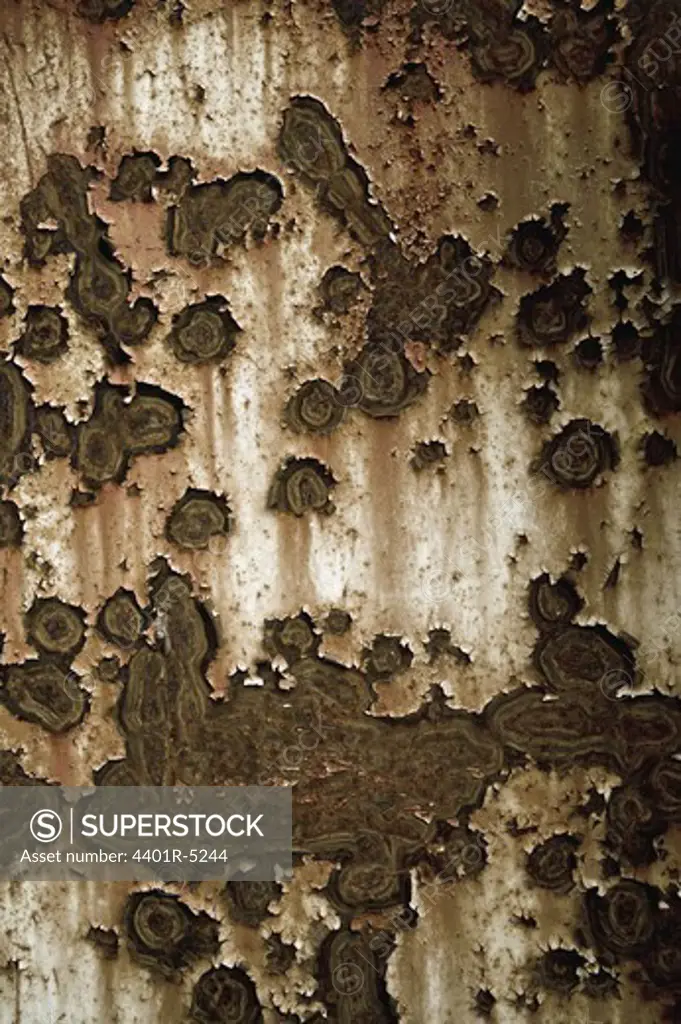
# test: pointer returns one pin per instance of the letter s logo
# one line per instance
(46, 826)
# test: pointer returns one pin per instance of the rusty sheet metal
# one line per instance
(341, 389)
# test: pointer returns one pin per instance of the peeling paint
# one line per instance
(258, 264)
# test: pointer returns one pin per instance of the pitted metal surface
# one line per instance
(339, 414)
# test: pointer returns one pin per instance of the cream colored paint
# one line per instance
(433, 550)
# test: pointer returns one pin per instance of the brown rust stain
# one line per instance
(429, 181)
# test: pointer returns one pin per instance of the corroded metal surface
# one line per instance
(339, 412)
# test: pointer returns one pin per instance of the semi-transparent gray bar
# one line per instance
(141, 833)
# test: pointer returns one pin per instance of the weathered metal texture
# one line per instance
(500, 406)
